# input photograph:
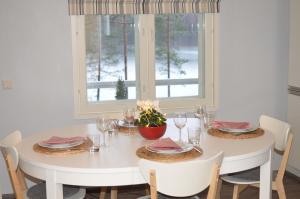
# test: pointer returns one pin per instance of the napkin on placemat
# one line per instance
(165, 144)
(231, 125)
(63, 140)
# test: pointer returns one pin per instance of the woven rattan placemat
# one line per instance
(144, 153)
(73, 150)
(127, 130)
(222, 134)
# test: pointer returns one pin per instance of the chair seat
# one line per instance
(161, 196)
(245, 177)
(38, 191)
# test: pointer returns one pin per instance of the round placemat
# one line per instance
(227, 135)
(119, 124)
(127, 130)
(73, 150)
(144, 153)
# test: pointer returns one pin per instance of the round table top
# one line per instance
(120, 154)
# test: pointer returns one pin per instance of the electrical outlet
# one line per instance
(7, 84)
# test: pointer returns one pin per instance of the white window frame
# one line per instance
(145, 76)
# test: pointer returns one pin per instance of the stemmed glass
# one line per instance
(201, 112)
(129, 117)
(103, 125)
(112, 126)
(180, 122)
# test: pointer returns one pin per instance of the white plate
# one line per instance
(238, 131)
(61, 146)
(185, 148)
(122, 123)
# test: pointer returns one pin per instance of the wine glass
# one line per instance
(200, 112)
(102, 125)
(180, 122)
(129, 114)
(112, 126)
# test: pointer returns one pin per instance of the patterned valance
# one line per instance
(104, 7)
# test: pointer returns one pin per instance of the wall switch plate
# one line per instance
(7, 84)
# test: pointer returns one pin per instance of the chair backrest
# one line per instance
(283, 140)
(279, 129)
(11, 157)
(7, 146)
(182, 178)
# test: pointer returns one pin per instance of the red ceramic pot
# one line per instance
(152, 133)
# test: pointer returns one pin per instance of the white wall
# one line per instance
(294, 80)
(253, 58)
(35, 53)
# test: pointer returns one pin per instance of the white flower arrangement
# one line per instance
(147, 105)
(150, 115)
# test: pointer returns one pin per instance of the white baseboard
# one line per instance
(293, 170)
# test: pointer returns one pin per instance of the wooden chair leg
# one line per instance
(102, 192)
(237, 189)
(213, 187)
(282, 167)
(153, 188)
(17, 185)
(114, 193)
(218, 196)
(280, 190)
(22, 180)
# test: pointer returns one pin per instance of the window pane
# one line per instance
(110, 57)
(161, 91)
(184, 90)
(177, 52)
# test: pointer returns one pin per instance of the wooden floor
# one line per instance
(292, 186)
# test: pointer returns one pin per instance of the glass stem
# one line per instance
(180, 140)
(129, 129)
(104, 144)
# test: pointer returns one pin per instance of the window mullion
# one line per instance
(146, 56)
(151, 57)
(209, 59)
(201, 55)
(78, 39)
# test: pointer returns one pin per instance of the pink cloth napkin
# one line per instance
(165, 144)
(63, 140)
(231, 125)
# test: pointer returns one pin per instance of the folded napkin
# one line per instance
(231, 125)
(63, 140)
(165, 144)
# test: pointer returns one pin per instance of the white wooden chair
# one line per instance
(182, 179)
(283, 142)
(38, 191)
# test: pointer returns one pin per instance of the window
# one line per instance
(110, 57)
(178, 44)
(121, 58)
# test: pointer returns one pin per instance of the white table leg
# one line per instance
(265, 189)
(54, 190)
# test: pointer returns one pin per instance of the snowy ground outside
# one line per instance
(191, 69)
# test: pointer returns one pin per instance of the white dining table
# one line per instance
(117, 164)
